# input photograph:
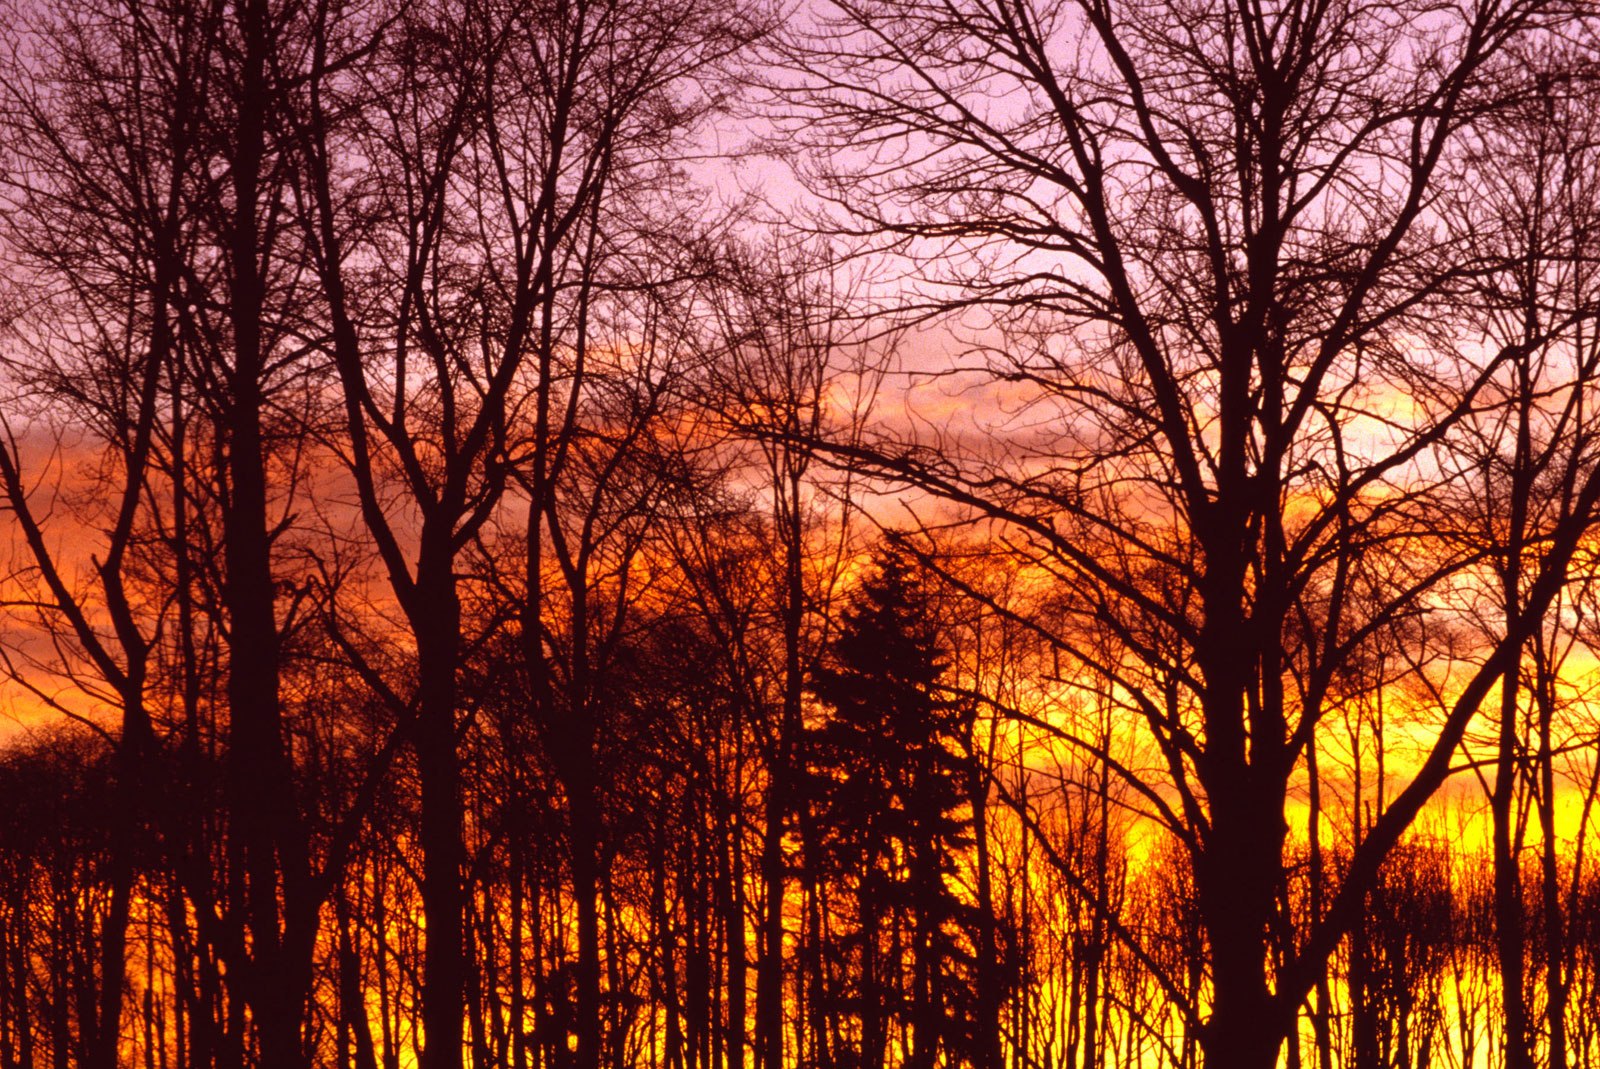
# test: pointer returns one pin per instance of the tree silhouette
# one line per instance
(887, 778)
(1191, 248)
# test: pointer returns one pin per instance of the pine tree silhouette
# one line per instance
(888, 779)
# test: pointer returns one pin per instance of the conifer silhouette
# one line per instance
(889, 780)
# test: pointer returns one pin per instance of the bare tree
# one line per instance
(1533, 169)
(103, 148)
(458, 299)
(1209, 245)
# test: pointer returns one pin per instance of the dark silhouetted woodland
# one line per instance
(856, 534)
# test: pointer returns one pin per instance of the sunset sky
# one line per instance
(862, 534)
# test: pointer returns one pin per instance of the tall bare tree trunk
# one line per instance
(439, 770)
(260, 781)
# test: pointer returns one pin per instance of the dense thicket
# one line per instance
(1103, 577)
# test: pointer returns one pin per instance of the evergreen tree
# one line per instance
(889, 781)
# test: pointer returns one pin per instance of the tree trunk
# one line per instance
(438, 766)
(1236, 880)
(585, 843)
(1510, 938)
